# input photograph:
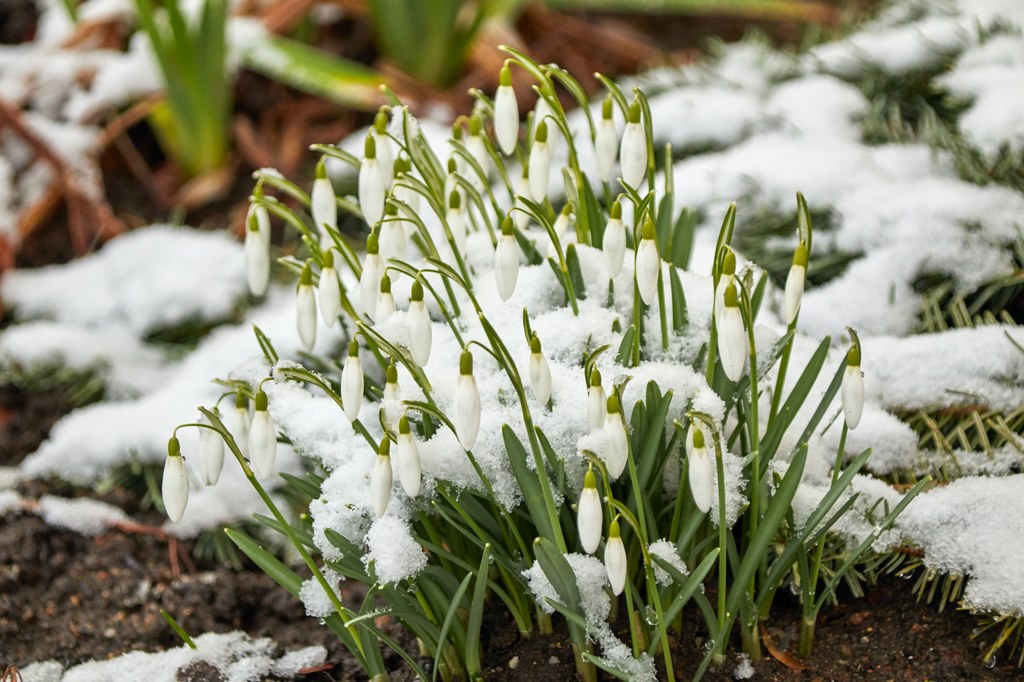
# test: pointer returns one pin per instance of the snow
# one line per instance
(82, 515)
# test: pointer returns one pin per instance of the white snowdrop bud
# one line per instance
(597, 402)
(262, 439)
(466, 417)
(391, 402)
(615, 559)
(852, 390)
(561, 226)
(477, 148)
(506, 261)
(352, 382)
(457, 159)
(323, 204)
(648, 264)
(616, 447)
(520, 216)
(211, 454)
(540, 163)
(305, 308)
(385, 147)
(726, 277)
(613, 243)
(633, 152)
(589, 515)
(385, 301)
(257, 250)
(329, 291)
(240, 421)
(369, 280)
(371, 184)
(540, 372)
(393, 240)
(408, 455)
(795, 283)
(700, 470)
(506, 113)
(732, 337)
(381, 479)
(174, 487)
(542, 111)
(451, 183)
(456, 218)
(405, 193)
(420, 328)
(606, 142)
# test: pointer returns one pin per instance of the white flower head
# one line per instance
(381, 479)
(795, 284)
(477, 148)
(506, 260)
(701, 474)
(540, 372)
(519, 214)
(262, 439)
(257, 250)
(305, 308)
(420, 327)
(369, 279)
(613, 243)
(540, 163)
(371, 184)
(403, 191)
(727, 277)
(385, 301)
(391, 402)
(323, 202)
(174, 486)
(589, 515)
(329, 291)
(352, 382)
(633, 151)
(456, 219)
(240, 421)
(506, 113)
(408, 455)
(597, 401)
(466, 413)
(852, 391)
(732, 336)
(648, 264)
(616, 441)
(606, 142)
(211, 453)
(385, 147)
(615, 559)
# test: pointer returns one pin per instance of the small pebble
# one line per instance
(553, 660)
(513, 663)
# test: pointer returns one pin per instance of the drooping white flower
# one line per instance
(369, 279)
(329, 291)
(852, 391)
(371, 184)
(700, 468)
(616, 448)
(597, 401)
(420, 328)
(385, 147)
(519, 214)
(211, 454)
(561, 226)
(648, 264)
(466, 413)
(615, 559)
(506, 113)
(391, 402)
(323, 202)
(404, 192)
(589, 515)
(385, 301)
(262, 439)
(305, 308)
(381, 479)
(391, 236)
(240, 422)
(174, 486)
(732, 337)
(633, 151)
(542, 111)
(606, 142)
(408, 455)
(506, 261)
(726, 277)
(613, 243)
(451, 181)
(477, 148)
(257, 250)
(540, 164)
(795, 283)
(456, 219)
(540, 372)
(352, 382)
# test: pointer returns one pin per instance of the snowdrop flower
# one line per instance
(385, 147)
(385, 301)
(795, 283)
(542, 111)
(174, 487)
(457, 161)
(616, 444)
(477, 148)
(597, 402)
(403, 192)
(852, 390)
(305, 308)
(381, 479)
(506, 113)
(456, 218)
(540, 163)
(371, 184)
(329, 291)
(257, 250)
(606, 142)
(506, 261)
(369, 280)
(700, 471)
(262, 439)
(323, 204)
(633, 151)
(589, 515)
(240, 421)
(211, 453)
(408, 454)
(391, 402)
(561, 226)
(520, 216)
(732, 337)
(540, 372)
(727, 277)
(648, 264)
(392, 240)
(614, 241)
(615, 559)
(466, 417)
(352, 382)
(451, 183)
(420, 329)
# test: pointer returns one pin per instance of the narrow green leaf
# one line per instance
(180, 631)
(528, 482)
(680, 317)
(282, 575)
(476, 616)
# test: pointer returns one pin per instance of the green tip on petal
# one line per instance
(403, 426)
(385, 285)
(649, 232)
(542, 132)
(402, 165)
(613, 529)
(800, 255)
(241, 401)
(392, 375)
(606, 108)
(373, 243)
(617, 210)
(380, 123)
(454, 200)
(353, 349)
(261, 401)
(732, 297)
(328, 259)
(173, 447)
(306, 276)
(853, 357)
(729, 263)
(507, 227)
(390, 209)
(535, 344)
(453, 166)
(457, 131)
(466, 363)
(254, 223)
(505, 77)
(370, 150)
(567, 209)
(590, 480)
(613, 404)
(634, 112)
(321, 169)
(385, 447)
(526, 171)
(417, 291)
(476, 125)
(698, 438)
(595, 377)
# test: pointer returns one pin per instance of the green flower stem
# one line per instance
(780, 379)
(661, 305)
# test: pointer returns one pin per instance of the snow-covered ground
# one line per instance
(775, 124)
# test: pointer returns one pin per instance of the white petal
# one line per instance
(589, 520)
(385, 306)
(385, 157)
(633, 155)
(457, 224)
(262, 444)
(352, 387)
(521, 218)
(380, 485)
(647, 266)
(467, 411)
(420, 332)
(240, 429)
(597, 407)
(616, 446)
(701, 478)
(408, 454)
(257, 262)
(329, 296)
(478, 150)
(540, 377)
(369, 283)
(323, 205)
(615, 564)
(794, 292)
(506, 266)
(305, 315)
(606, 147)
(371, 191)
(174, 487)
(853, 396)
(506, 118)
(540, 170)
(211, 454)
(614, 246)
(732, 342)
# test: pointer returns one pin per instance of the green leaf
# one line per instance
(559, 573)
(687, 586)
(180, 631)
(476, 616)
(304, 536)
(282, 575)
(572, 262)
(680, 317)
(625, 354)
(682, 238)
(528, 482)
(449, 618)
(307, 488)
